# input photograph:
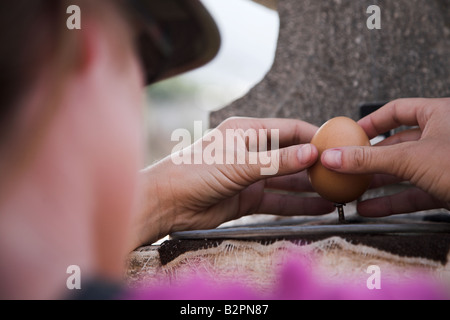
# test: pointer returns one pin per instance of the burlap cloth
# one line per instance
(256, 263)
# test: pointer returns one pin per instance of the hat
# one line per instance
(174, 36)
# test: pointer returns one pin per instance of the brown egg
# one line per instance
(337, 187)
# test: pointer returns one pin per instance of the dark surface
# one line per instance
(429, 246)
(172, 249)
(328, 62)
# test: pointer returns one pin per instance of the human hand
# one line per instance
(203, 196)
(420, 156)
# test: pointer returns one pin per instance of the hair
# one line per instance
(20, 51)
(34, 37)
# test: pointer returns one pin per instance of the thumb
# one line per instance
(393, 160)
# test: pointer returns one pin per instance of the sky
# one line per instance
(249, 36)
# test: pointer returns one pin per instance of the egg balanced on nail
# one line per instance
(338, 187)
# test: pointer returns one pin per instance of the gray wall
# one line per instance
(328, 62)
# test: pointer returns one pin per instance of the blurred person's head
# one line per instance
(70, 130)
(70, 142)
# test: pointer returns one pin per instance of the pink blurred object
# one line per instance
(297, 282)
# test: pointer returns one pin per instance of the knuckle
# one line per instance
(229, 123)
(403, 162)
(234, 122)
(395, 112)
(279, 158)
(361, 158)
(298, 134)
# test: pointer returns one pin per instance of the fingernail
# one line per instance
(332, 159)
(304, 154)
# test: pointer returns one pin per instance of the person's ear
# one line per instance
(91, 43)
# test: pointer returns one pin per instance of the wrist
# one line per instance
(152, 219)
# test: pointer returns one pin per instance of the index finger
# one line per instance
(408, 112)
(291, 131)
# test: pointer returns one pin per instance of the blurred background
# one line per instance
(249, 38)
